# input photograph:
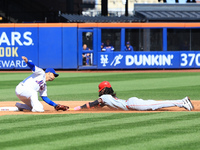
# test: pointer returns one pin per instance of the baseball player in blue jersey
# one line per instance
(107, 47)
(107, 97)
(128, 47)
(27, 90)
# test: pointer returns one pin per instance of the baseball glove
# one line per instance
(61, 107)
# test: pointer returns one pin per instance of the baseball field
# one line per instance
(170, 128)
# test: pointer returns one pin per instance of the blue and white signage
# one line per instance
(16, 42)
(45, 46)
(120, 60)
(189, 59)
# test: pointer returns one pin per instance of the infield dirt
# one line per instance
(50, 110)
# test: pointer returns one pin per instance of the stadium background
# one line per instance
(53, 35)
(40, 29)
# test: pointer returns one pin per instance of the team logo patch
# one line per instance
(104, 60)
(41, 84)
(116, 60)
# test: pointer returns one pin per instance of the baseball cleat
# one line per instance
(38, 110)
(187, 104)
(21, 107)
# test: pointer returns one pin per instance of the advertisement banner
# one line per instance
(148, 60)
(17, 42)
(189, 59)
(46, 47)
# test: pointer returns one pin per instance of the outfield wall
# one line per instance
(47, 45)
(59, 46)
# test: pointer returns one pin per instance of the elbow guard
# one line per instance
(90, 104)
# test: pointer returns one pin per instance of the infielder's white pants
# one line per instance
(29, 97)
(140, 104)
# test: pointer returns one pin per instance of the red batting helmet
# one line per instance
(104, 84)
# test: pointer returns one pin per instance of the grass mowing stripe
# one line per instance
(76, 77)
(158, 94)
(120, 82)
(61, 122)
(189, 141)
(34, 120)
(156, 83)
(139, 134)
(175, 139)
(181, 137)
(9, 84)
(26, 126)
(94, 128)
(109, 77)
(8, 95)
(13, 76)
(125, 140)
(136, 85)
(145, 84)
(109, 133)
(160, 140)
(163, 93)
(79, 96)
(184, 145)
(71, 119)
(100, 138)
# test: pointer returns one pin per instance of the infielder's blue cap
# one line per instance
(52, 71)
(128, 43)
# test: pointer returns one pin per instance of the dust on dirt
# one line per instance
(50, 110)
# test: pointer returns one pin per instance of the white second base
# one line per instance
(9, 109)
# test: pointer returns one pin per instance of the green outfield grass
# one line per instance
(84, 86)
(110, 131)
(156, 131)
